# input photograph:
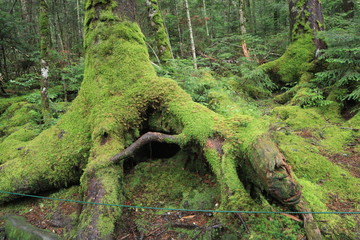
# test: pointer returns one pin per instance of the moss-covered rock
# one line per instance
(16, 227)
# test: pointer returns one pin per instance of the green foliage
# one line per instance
(72, 75)
(309, 97)
(25, 82)
(342, 58)
(198, 83)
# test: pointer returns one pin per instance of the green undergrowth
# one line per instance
(307, 137)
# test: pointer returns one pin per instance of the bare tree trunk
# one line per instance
(193, 50)
(60, 34)
(205, 18)
(79, 20)
(253, 15)
(242, 28)
(25, 15)
(6, 73)
(44, 52)
(179, 29)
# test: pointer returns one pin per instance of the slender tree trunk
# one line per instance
(243, 28)
(276, 17)
(205, 18)
(79, 21)
(6, 73)
(193, 50)
(253, 15)
(44, 52)
(25, 15)
(179, 29)
(60, 34)
(161, 37)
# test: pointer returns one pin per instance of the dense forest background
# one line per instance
(217, 36)
(222, 53)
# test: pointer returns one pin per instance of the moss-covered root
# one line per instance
(101, 183)
(272, 173)
(296, 61)
(52, 160)
(100, 186)
(311, 228)
(16, 227)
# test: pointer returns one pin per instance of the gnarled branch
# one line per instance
(143, 140)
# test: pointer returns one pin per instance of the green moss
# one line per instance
(162, 42)
(295, 61)
(321, 179)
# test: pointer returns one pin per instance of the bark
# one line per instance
(44, 52)
(299, 59)
(205, 18)
(25, 14)
(242, 28)
(162, 41)
(193, 50)
(179, 29)
(306, 18)
(111, 109)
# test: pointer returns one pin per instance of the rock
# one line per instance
(17, 227)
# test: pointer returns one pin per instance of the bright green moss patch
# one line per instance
(17, 115)
(299, 118)
(295, 61)
(304, 139)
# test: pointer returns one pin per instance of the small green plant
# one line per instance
(25, 82)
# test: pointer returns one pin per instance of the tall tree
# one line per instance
(191, 35)
(243, 28)
(161, 37)
(296, 64)
(44, 54)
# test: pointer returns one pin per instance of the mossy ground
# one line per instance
(308, 138)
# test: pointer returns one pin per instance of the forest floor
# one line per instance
(181, 181)
(146, 189)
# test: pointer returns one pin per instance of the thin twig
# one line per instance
(243, 222)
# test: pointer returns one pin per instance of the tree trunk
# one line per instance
(296, 64)
(110, 110)
(25, 15)
(161, 37)
(179, 29)
(44, 52)
(242, 28)
(193, 51)
(205, 18)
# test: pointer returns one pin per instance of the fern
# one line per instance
(342, 58)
